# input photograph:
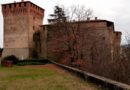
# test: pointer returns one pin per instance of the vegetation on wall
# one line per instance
(69, 26)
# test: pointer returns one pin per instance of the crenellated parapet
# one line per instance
(19, 8)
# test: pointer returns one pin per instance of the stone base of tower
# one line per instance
(21, 53)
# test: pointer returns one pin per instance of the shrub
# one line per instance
(32, 62)
(12, 58)
(1, 49)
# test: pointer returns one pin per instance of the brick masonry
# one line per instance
(21, 20)
(99, 38)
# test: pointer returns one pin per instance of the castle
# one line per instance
(25, 36)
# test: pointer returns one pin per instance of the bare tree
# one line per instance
(68, 24)
(126, 49)
(68, 21)
(75, 16)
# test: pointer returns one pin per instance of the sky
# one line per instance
(116, 11)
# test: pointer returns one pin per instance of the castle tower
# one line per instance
(21, 20)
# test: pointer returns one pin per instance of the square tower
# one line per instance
(21, 20)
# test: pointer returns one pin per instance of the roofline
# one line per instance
(98, 20)
(86, 21)
(23, 2)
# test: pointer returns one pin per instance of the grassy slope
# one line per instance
(40, 78)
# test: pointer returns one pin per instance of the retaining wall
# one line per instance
(107, 84)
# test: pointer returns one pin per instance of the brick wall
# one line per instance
(96, 40)
(21, 20)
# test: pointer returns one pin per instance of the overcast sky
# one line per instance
(112, 10)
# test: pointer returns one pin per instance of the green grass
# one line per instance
(40, 78)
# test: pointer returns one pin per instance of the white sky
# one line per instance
(112, 10)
